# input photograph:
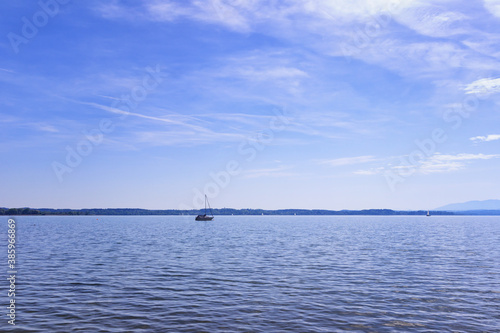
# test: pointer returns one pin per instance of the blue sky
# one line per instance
(259, 104)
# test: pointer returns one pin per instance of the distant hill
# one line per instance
(472, 205)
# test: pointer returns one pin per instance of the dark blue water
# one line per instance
(255, 274)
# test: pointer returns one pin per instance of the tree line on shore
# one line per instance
(217, 211)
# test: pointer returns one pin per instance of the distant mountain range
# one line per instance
(472, 205)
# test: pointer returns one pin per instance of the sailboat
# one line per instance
(428, 213)
(205, 217)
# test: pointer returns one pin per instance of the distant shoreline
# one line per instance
(231, 211)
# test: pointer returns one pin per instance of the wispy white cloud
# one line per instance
(461, 157)
(437, 163)
(422, 60)
(358, 10)
(263, 71)
(5, 118)
(170, 10)
(108, 97)
(113, 9)
(369, 172)
(269, 172)
(491, 137)
(446, 163)
(172, 137)
(493, 6)
(179, 129)
(433, 165)
(432, 20)
(250, 15)
(487, 86)
(234, 16)
(348, 161)
(45, 127)
(484, 42)
(271, 73)
(134, 114)
(366, 28)
(242, 122)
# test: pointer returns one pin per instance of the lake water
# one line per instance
(255, 274)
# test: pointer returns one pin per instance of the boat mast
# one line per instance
(206, 201)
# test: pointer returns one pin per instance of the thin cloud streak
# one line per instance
(194, 135)
(127, 113)
(348, 161)
(268, 172)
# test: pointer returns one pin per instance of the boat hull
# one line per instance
(204, 218)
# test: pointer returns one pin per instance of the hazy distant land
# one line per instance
(231, 211)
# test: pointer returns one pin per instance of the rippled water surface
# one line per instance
(255, 274)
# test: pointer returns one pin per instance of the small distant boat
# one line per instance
(428, 213)
(205, 217)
